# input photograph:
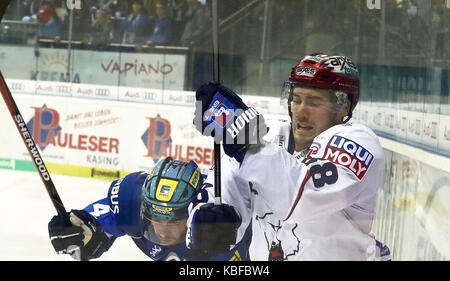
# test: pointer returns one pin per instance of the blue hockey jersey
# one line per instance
(119, 215)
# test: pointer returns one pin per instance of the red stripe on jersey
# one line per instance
(299, 195)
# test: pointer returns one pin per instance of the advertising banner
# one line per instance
(144, 70)
(76, 133)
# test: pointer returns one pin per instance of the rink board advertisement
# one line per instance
(109, 135)
(88, 137)
(165, 71)
(428, 131)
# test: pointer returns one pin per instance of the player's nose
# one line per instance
(301, 113)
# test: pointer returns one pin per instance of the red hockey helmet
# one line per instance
(325, 72)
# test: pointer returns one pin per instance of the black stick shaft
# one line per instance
(32, 148)
(217, 168)
(27, 138)
(34, 153)
(29, 143)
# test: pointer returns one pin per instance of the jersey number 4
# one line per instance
(99, 209)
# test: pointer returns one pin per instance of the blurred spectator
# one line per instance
(197, 19)
(31, 7)
(162, 27)
(101, 32)
(150, 7)
(177, 7)
(196, 22)
(81, 25)
(137, 25)
(115, 8)
(49, 22)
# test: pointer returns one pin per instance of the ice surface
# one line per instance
(26, 209)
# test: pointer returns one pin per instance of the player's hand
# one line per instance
(212, 229)
(221, 113)
(84, 233)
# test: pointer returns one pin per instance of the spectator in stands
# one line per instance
(115, 8)
(196, 22)
(149, 7)
(137, 25)
(49, 22)
(30, 8)
(194, 36)
(177, 11)
(162, 27)
(81, 25)
(101, 32)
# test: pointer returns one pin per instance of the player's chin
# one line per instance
(168, 241)
(303, 141)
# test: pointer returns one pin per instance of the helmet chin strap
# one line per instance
(348, 117)
(350, 112)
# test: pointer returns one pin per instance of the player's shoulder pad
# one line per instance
(351, 145)
(124, 197)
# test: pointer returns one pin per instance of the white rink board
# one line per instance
(108, 134)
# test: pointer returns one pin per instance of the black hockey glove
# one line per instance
(213, 230)
(84, 233)
(221, 113)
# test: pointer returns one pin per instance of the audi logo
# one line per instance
(64, 89)
(17, 86)
(102, 92)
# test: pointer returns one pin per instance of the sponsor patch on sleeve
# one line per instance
(349, 154)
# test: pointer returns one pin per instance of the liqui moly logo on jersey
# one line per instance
(349, 154)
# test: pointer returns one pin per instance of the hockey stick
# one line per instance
(30, 145)
(34, 153)
(32, 148)
(3, 6)
(217, 168)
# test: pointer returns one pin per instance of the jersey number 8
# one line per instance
(322, 174)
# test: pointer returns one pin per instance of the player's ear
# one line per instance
(344, 110)
(347, 106)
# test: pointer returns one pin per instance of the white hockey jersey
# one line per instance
(238, 191)
(331, 214)
(318, 208)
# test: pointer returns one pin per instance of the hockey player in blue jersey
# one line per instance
(151, 208)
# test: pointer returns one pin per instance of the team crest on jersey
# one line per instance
(313, 149)
(349, 154)
(155, 251)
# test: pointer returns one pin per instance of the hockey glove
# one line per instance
(221, 113)
(212, 230)
(84, 233)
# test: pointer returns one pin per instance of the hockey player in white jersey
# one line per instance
(319, 204)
